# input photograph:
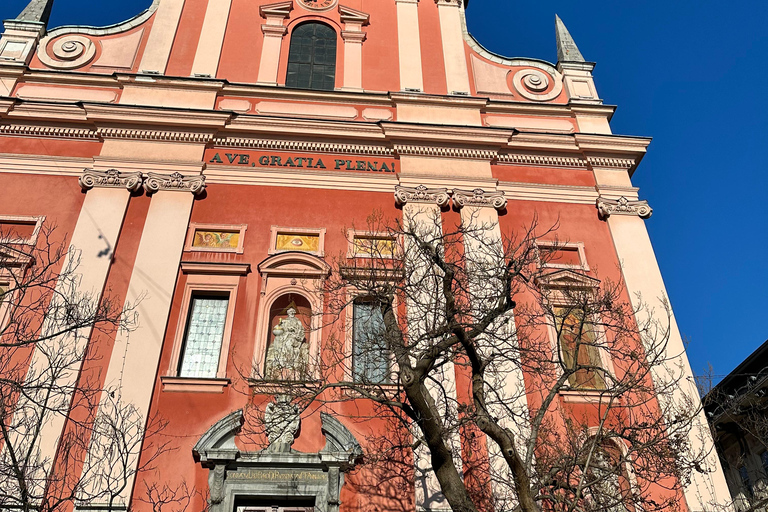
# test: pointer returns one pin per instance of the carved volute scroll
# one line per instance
(174, 182)
(110, 179)
(623, 206)
(479, 198)
(421, 194)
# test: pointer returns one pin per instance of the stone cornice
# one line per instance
(164, 82)
(177, 182)
(277, 10)
(543, 160)
(421, 194)
(58, 132)
(479, 198)
(294, 145)
(445, 152)
(129, 115)
(622, 206)
(111, 178)
(444, 101)
(351, 130)
(473, 136)
(155, 135)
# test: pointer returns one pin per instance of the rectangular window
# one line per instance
(203, 338)
(370, 356)
(578, 345)
(746, 482)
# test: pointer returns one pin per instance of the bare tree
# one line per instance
(737, 410)
(46, 322)
(471, 343)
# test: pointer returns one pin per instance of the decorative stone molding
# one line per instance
(543, 160)
(622, 206)
(456, 3)
(68, 52)
(276, 10)
(479, 198)
(274, 30)
(421, 194)
(353, 36)
(532, 84)
(110, 179)
(174, 182)
(159, 135)
(293, 145)
(451, 152)
(49, 131)
(619, 163)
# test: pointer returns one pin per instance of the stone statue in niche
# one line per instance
(288, 355)
(281, 421)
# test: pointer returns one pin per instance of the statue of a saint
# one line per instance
(288, 355)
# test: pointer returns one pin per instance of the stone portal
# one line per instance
(288, 480)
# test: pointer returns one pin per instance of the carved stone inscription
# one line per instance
(277, 475)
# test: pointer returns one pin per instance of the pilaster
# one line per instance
(211, 40)
(84, 274)
(163, 32)
(454, 55)
(19, 41)
(136, 354)
(648, 295)
(353, 36)
(274, 31)
(409, 45)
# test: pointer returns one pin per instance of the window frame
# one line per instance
(552, 285)
(202, 283)
(195, 227)
(555, 244)
(338, 57)
(354, 294)
(275, 231)
(23, 219)
(353, 234)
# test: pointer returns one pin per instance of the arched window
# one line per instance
(312, 57)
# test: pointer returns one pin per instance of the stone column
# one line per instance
(353, 37)
(619, 207)
(211, 38)
(273, 30)
(82, 279)
(484, 251)
(422, 214)
(409, 45)
(454, 56)
(136, 354)
(160, 41)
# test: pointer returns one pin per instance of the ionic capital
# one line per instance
(421, 194)
(479, 198)
(622, 206)
(174, 182)
(110, 179)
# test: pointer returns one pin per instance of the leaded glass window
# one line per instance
(312, 57)
(578, 345)
(205, 332)
(370, 356)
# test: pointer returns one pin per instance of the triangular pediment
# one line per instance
(567, 279)
(349, 15)
(279, 9)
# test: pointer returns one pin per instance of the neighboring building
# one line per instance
(736, 409)
(206, 155)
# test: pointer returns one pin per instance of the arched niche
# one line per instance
(289, 277)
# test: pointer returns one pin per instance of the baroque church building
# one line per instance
(210, 166)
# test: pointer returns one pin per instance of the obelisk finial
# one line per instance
(567, 51)
(37, 11)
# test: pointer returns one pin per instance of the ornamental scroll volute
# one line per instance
(174, 182)
(111, 178)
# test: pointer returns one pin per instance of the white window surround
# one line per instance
(555, 245)
(281, 230)
(11, 275)
(354, 294)
(204, 278)
(20, 219)
(353, 234)
(553, 285)
(194, 227)
(628, 469)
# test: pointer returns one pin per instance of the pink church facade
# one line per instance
(212, 154)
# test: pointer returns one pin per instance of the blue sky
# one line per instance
(690, 74)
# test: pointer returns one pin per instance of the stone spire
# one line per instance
(567, 51)
(37, 11)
